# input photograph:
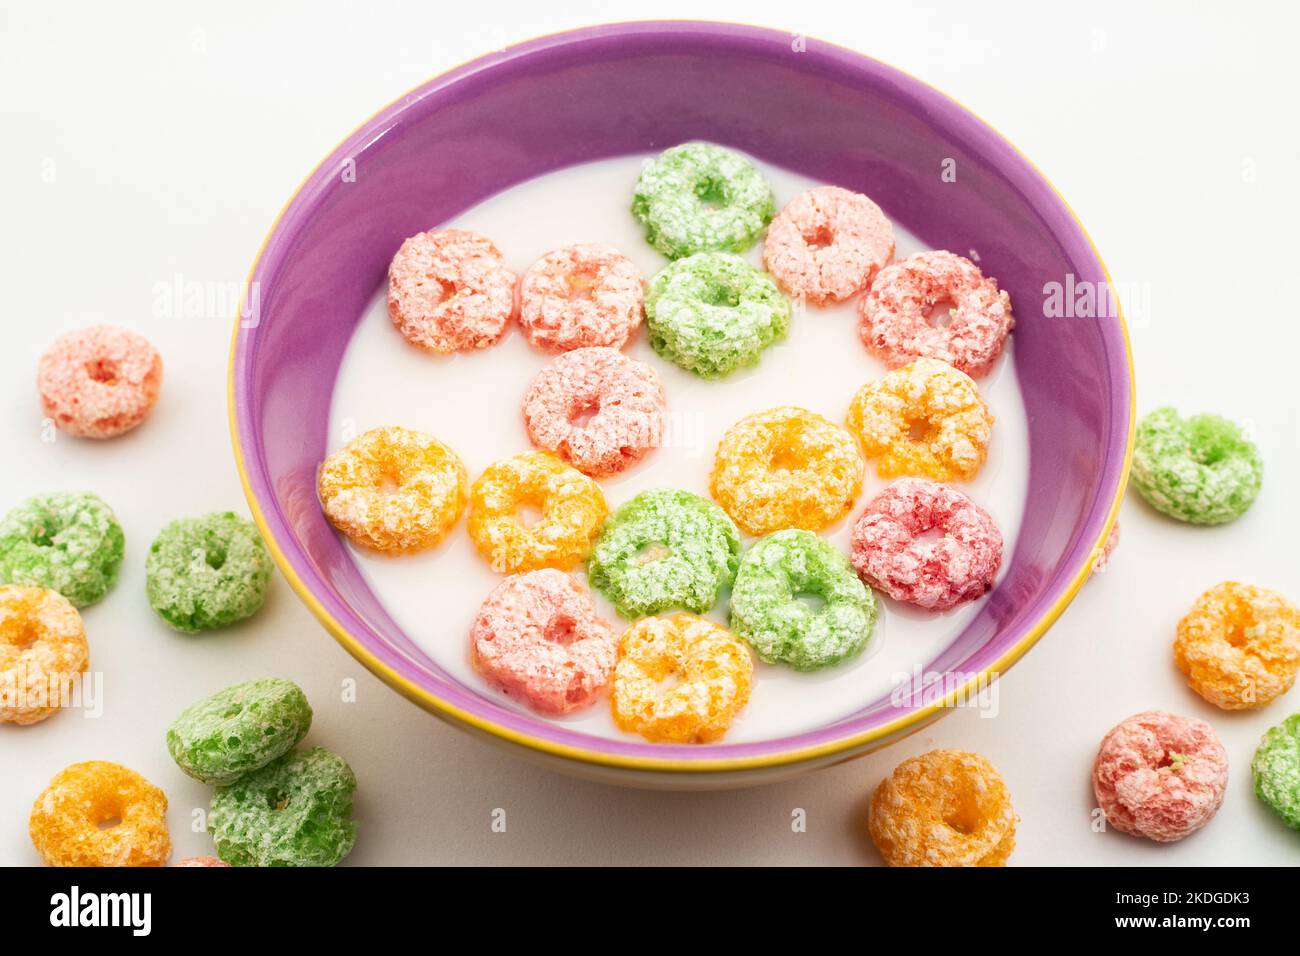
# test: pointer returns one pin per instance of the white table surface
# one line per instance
(154, 147)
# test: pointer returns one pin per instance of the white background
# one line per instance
(155, 145)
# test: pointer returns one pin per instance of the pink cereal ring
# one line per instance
(827, 243)
(890, 550)
(623, 398)
(99, 382)
(1160, 776)
(538, 637)
(580, 296)
(894, 313)
(450, 291)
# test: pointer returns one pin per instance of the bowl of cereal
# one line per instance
(641, 399)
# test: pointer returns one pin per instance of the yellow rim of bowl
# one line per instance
(912, 721)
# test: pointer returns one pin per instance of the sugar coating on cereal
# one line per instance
(450, 291)
(827, 244)
(597, 409)
(894, 313)
(99, 382)
(1160, 775)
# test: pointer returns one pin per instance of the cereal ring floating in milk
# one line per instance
(581, 296)
(42, 651)
(572, 509)
(99, 382)
(767, 613)
(895, 311)
(1239, 645)
(393, 490)
(713, 313)
(891, 549)
(698, 197)
(826, 245)
(597, 409)
(450, 291)
(680, 679)
(1159, 775)
(538, 638)
(665, 549)
(786, 468)
(924, 419)
(943, 808)
(98, 813)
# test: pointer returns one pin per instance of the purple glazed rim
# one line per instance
(465, 707)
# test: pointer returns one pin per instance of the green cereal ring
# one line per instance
(239, 729)
(1201, 469)
(68, 541)
(697, 197)
(207, 572)
(713, 312)
(766, 610)
(664, 549)
(1277, 770)
(295, 811)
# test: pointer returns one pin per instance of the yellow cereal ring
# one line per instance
(1239, 645)
(925, 419)
(42, 652)
(100, 814)
(710, 670)
(943, 808)
(393, 490)
(786, 468)
(572, 510)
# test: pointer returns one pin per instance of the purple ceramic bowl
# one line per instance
(826, 112)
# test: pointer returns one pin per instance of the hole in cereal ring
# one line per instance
(919, 431)
(819, 238)
(811, 601)
(963, 816)
(785, 458)
(110, 822)
(583, 411)
(102, 370)
(582, 282)
(940, 314)
(652, 552)
(529, 514)
(561, 629)
(276, 800)
(711, 191)
(214, 555)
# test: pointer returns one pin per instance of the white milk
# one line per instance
(472, 402)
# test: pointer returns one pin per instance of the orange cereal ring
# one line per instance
(393, 489)
(943, 808)
(42, 652)
(572, 510)
(708, 670)
(1239, 645)
(786, 468)
(924, 419)
(98, 813)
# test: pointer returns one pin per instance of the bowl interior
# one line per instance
(828, 113)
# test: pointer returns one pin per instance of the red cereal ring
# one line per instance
(890, 550)
(826, 244)
(538, 637)
(99, 382)
(621, 401)
(579, 296)
(894, 313)
(450, 291)
(1160, 775)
